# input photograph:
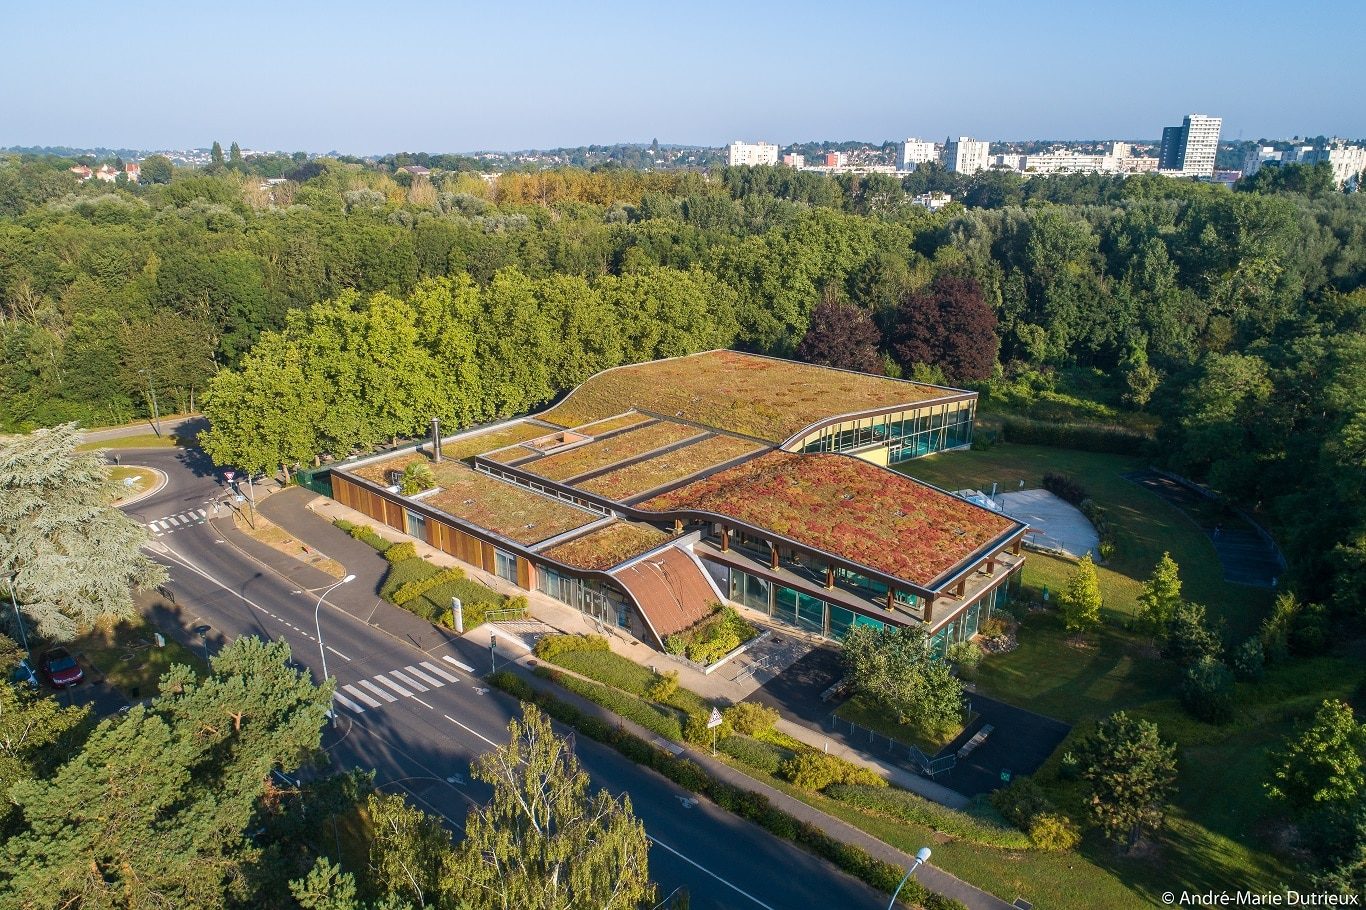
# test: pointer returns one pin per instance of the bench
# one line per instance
(977, 740)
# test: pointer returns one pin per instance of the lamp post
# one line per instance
(18, 617)
(318, 622)
(922, 856)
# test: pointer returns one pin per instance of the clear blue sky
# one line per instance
(366, 77)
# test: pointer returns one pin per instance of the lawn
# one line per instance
(139, 441)
(1145, 526)
(859, 711)
(132, 480)
(127, 655)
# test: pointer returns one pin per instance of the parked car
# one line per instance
(23, 675)
(60, 668)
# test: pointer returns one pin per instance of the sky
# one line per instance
(371, 77)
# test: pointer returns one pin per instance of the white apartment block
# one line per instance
(1258, 156)
(1347, 161)
(915, 152)
(965, 155)
(738, 153)
(795, 160)
(1188, 150)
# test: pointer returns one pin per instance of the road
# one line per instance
(419, 713)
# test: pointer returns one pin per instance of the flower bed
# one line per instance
(607, 546)
(609, 451)
(643, 476)
(713, 638)
(848, 507)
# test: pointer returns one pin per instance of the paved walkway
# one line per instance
(1060, 525)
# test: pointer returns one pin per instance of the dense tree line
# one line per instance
(1235, 317)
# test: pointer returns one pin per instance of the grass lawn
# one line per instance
(140, 441)
(127, 655)
(132, 480)
(857, 710)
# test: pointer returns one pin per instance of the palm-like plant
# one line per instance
(417, 477)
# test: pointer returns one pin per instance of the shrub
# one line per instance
(1207, 691)
(1066, 488)
(1054, 831)
(1086, 437)
(1248, 661)
(676, 644)
(1309, 630)
(812, 770)
(663, 722)
(548, 647)
(713, 638)
(413, 589)
(762, 756)
(664, 686)
(367, 534)
(343, 524)
(1189, 638)
(1021, 802)
(965, 654)
(401, 551)
(696, 731)
(906, 806)
(752, 718)
(992, 627)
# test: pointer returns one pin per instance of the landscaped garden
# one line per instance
(662, 470)
(605, 452)
(713, 638)
(843, 505)
(607, 546)
(127, 654)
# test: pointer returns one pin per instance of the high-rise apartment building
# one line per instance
(1190, 148)
(915, 152)
(738, 153)
(966, 156)
(1347, 161)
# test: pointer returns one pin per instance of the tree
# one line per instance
(216, 154)
(1161, 595)
(234, 156)
(1131, 773)
(1207, 691)
(417, 477)
(156, 169)
(543, 841)
(72, 555)
(1189, 638)
(950, 326)
(841, 335)
(892, 667)
(1080, 603)
(1321, 763)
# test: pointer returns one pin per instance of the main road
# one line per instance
(413, 708)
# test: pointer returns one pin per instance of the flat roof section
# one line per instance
(756, 396)
(847, 507)
(603, 453)
(607, 546)
(503, 508)
(672, 466)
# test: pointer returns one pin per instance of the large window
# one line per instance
(749, 590)
(417, 525)
(908, 434)
(505, 566)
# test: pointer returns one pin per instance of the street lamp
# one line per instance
(318, 623)
(18, 617)
(922, 856)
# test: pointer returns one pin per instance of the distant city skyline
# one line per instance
(543, 75)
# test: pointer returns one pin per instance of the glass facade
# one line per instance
(505, 565)
(906, 434)
(589, 596)
(417, 524)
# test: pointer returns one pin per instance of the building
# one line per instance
(653, 491)
(738, 153)
(836, 159)
(416, 170)
(133, 170)
(915, 152)
(107, 173)
(932, 201)
(795, 160)
(966, 156)
(82, 172)
(1189, 150)
(1347, 161)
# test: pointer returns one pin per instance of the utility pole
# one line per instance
(18, 617)
(152, 397)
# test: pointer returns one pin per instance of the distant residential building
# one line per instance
(1119, 150)
(1347, 161)
(107, 173)
(416, 170)
(965, 155)
(915, 152)
(738, 153)
(1257, 156)
(932, 201)
(794, 160)
(1188, 150)
(82, 172)
(133, 170)
(1137, 164)
(836, 159)
(1009, 161)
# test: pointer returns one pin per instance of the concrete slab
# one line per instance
(1058, 524)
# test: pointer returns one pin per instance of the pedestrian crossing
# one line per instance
(171, 523)
(386, 688)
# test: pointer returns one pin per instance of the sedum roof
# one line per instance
(505, 509)
(846, 507)
(607, 546)
(755, 396)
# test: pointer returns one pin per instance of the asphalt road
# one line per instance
(422, 743)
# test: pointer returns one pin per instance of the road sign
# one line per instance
(229, 474)
(715, 719)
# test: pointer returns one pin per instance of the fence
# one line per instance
(873, 742)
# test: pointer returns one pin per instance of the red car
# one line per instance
(60, 668)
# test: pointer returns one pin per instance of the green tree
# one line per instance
(892, 667)
(1132, 774)
(1189, 637)
(417, 477)
(1161, 595)
(234, 155)
(1207, 691)
(72, 556)
(1081, 601)
(216, 154)
(543, 841)
(1322, 763)
(156, 169)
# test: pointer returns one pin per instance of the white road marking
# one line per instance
(395, 686)
(154, 525)
(685, 859)
(378, 691)
(348, 703)
(202, 514)
(466, 667)
(440, 672)
(407, 681)
(421, 702)
(435, 683)
(174, 523)
(338, 653)
(480, 735)
(362, 696)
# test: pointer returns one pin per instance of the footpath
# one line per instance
(308, 517)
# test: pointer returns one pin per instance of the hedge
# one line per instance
(591, 656)
(1087, 437)
(907, 806)
(812, 770)
(745, 803)
(1069, 490)
(665, 723)
(757, 754)
(419, 586)
(548, 647)
(363, 533)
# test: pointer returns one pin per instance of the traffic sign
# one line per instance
(229, 474)
(714, 720)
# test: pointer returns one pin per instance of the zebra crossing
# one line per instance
(386, 688)
(171, 523)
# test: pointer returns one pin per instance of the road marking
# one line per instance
(202, 514)
(362, 696)
(421, 702)
(348, 703)
(338, 653)
(378, 691)
(483, 737)
(436, 683)
(395, 686)
(685, 859)
(440, 672)
(466, 667)
(407, 681)
(154, 525)
(174, 523)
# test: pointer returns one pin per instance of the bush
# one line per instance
(664, 686)
(663, 722)
(1065, 488)
(759, 755)
(1021, 802)
(548, 647)
(1189, 639)
(713, 638)
(1054, 831)
(401, 551)
(1207, 691)
(909, 807)
(812, 770)
(1248, 660)
(1309, 631)
(1083, 436)
(367, 534)
(343, 524)
(416, 588)
(696, 731)
(752, 718)
(966, 655)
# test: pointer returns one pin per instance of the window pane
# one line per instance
(840, 621)
(811, 613)
(785, 605)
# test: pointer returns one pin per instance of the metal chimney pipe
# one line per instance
(436, 440)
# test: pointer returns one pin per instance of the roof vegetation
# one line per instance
(755, 396)
(607, 546)
(603, 453)
(501, 507)
(671, 467)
